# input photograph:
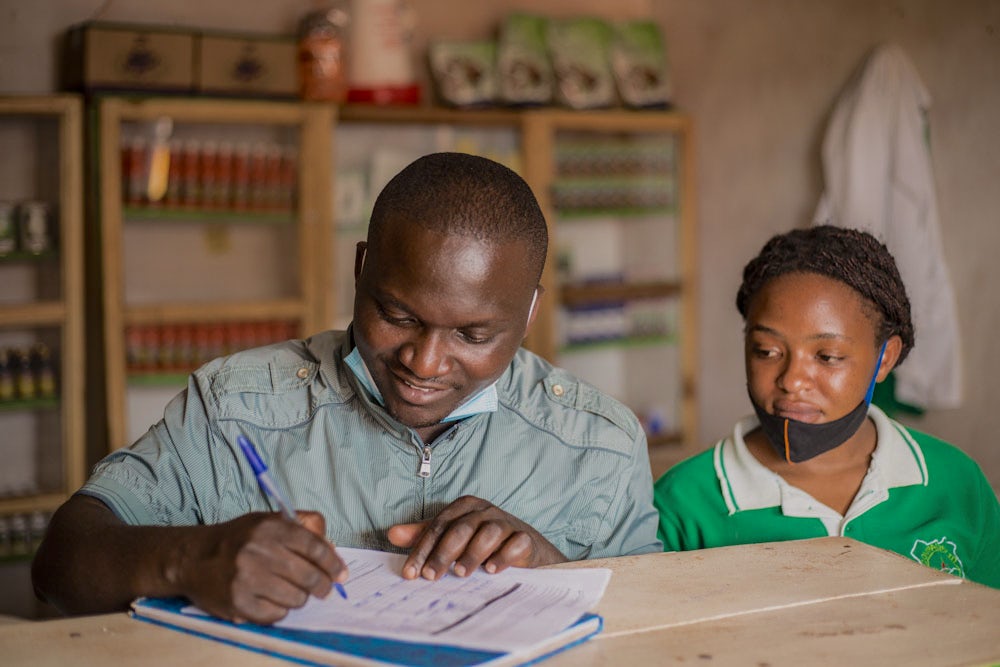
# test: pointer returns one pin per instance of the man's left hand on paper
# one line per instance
(469, 533)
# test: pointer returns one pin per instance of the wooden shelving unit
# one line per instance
(292, 248)
(529, 142)
(41, 139)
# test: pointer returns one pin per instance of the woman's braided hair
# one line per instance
(853, 257)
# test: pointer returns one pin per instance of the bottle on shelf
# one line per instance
(8, 389)
(322, 53)
(43, 369)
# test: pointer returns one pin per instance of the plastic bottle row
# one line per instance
(210, 175)
(615, 321)
(589, 157)
(20, 534)
(655, 192)
(27, 373)
(175, 348)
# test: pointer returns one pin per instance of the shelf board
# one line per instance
(44, 313)
(624, 343)
(29, 404)
(373, 113)
(571, 214)
(213, 312)
(163, 214)
(664, 440)
(24, 257)
(17, 558)
(158, 378)
(583, 294)
(635, 120)
(43, 502)
(142, 107)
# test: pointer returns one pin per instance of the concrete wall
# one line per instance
(759, 77)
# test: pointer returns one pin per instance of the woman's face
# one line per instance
(811, 348)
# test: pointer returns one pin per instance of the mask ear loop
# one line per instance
(868, 400)
(531, 308)
(788, 445)
(878, 365)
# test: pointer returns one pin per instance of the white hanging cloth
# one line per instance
(877, 168)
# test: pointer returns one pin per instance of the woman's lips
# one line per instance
(801, 412)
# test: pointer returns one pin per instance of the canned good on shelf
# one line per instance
(8, 228)
(33, 226)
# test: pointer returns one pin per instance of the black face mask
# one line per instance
(797, 441)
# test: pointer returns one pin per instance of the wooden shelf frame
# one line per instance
(537, 130)
(539, 136)
(67, 313)
(312, 125)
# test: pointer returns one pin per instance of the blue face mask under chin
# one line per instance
(797, 441)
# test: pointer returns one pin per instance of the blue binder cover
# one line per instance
(334, 648)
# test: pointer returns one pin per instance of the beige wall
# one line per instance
(759, 77)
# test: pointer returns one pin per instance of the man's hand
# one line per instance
(253, 568)
(466, 534)
(259, 566)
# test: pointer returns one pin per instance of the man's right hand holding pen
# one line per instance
(253, 568)
(261, 565)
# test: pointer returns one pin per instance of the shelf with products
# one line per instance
(617, 188)
(212, 214)
(372, 143)
(41, 308)
(618, 182)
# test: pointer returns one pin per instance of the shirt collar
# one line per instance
(747, 484)
(484, 400)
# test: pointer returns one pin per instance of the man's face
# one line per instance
(437, 318)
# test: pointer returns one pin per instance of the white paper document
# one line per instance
(497, 612)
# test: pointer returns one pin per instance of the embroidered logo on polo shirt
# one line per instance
(940, 554)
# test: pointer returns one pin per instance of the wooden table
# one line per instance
(828, 601)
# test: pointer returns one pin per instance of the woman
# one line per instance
(826, 318)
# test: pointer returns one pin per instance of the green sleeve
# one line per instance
(985, 568)
(687, 499)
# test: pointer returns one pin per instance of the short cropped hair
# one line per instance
(850, 256)
(457, 193)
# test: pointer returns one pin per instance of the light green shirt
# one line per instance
(557, 453)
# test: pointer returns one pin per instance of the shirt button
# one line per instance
(302, 373)
(558, 390)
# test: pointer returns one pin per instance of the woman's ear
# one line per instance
(893, 348)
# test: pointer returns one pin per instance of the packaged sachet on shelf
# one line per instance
(464, 73)
(524, 73)
(638, 62)
(578, 48)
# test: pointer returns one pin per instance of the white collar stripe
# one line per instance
(746, 484)
(727, 488)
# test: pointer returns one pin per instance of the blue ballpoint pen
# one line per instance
(271, 489)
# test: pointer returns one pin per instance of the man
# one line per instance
(424, 427)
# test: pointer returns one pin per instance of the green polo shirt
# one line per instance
(556, 453)
(921, 498)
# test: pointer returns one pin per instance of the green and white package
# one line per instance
(638, 61)
(524, 74)
(464, 72)
(578, 48)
